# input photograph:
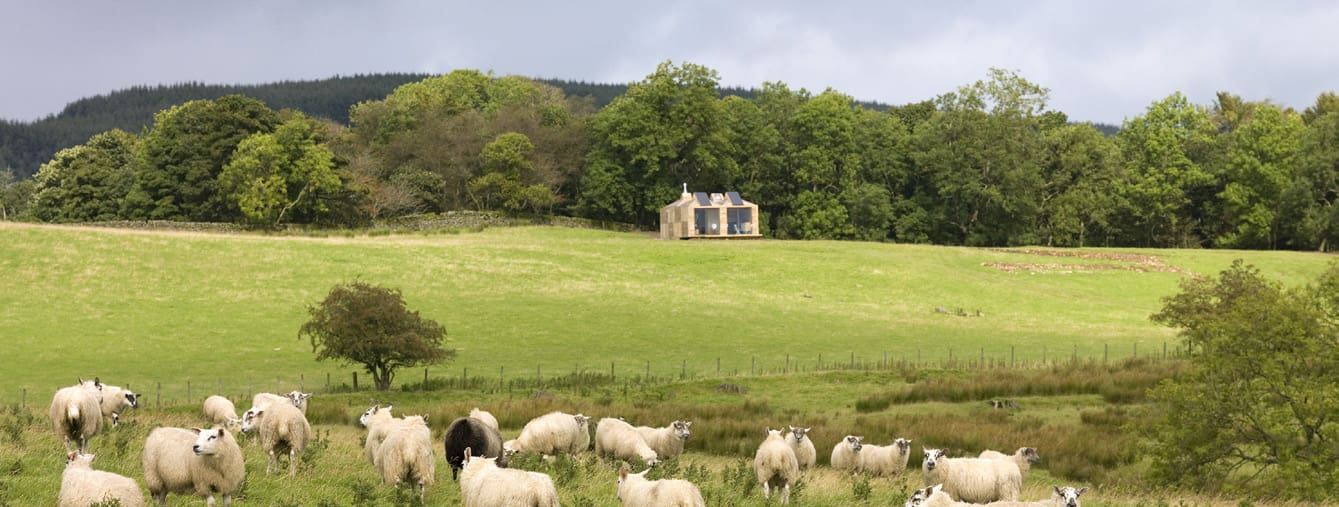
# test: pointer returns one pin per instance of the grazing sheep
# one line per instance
(472, 433)
(799, 442)
(933, 496)
(973, 480)
(483, 484)
(76, 412)
(846, 454)
(553, 433)
(635, 491)
(299, 399)
(1004, 404)
(406, 455)
(283, 429)
(220, 410)
(182, 461)
(883, 461)
(775, 465)
(81, 485)
(486, 417)
(115, 400)
(1024, 458)
(667, 442)
(261, 400)
(379, 423)
(617, 439)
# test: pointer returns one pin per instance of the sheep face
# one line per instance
(251, 418)
(1030, 454)
(132, 400)
(298, 397)
(207, 441)
(932, 457)
(581, 420)
(903, 446)
(798, 433)
(921, 495)
(86, 460)
(1068, 496)
(681, 429)
(854, 442)
(367, 415)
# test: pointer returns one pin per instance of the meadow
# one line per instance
(538, 316)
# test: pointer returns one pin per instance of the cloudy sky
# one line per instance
(1102, 61)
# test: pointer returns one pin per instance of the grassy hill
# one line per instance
(223, 310)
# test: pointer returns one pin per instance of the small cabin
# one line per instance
(700, 215)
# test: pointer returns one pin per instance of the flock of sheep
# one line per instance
(209, 462)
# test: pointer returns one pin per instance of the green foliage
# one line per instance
(369, 325)
(88, 182)
(15, 195)
(1255, 410)
(1165, 150)
(1261, 164)
(274, 175)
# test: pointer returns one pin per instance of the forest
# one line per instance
(986, 164)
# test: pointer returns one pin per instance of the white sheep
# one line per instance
(483, 484)
(265, 399)
(846, 454)
(667, 442)
(76, 412)
(299, 399)
(883, 461)
(617, 439)
(1024, 458)
(283, 430)
(973, 480)
(115, 400)
(553, 433)
(635, 491)
(220, 410)
(81, 485)
(379, 423)
(406, 455)
(182, 461)
(484, 416)
(934, 496)
(775, 465)
(799, 442)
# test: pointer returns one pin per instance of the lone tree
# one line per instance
(365, 324)
(1258, 409)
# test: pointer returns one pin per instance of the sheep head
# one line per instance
(1068, 496)
(207, 441)
(681, 429)
(932, 457)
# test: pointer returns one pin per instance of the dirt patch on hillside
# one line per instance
(1142, 263)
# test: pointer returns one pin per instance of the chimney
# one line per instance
(685, 194)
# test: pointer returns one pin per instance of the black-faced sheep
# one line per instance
(617, 439)
(115, 400)
(1024, 457)
(799, 441)
(635, 491)
(973, 480)
(283, 430)
(406, 455)
(471, 433)
(846, 454)
(775, 465)
(667, 442)
(182, 461)
(81, 485)
(76, 412)
(883, 461)
(483, 484)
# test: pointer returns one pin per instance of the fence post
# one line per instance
(24, 401)
(327, 381)
(718, 366)
(753, 364)
(1164, 350)
(188, 390)
(501, 376)
(302, 381)
(1106, 351)
(1043, 354)
(158, 397)
(1011, 356)
(611, 370)
(425, 380)
(355, 381)
(464, 377)
(853, 359)
(1136, 350)
(787, 368)
(820, 361)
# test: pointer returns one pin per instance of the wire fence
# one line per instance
(177, 393)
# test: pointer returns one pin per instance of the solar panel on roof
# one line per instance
(702, 198)
(734, 198)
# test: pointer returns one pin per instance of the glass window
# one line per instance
(707, 221)
(739, 220)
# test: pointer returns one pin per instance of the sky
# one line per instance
(1102, 61)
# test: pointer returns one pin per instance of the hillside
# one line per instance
(539, 301)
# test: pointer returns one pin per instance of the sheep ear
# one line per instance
(622, 473)
(1081, 491)
(196, 430)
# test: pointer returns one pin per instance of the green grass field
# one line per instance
(145, 308)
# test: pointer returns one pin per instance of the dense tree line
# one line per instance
(987, 164)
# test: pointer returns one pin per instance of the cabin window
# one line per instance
(707, 221)
(739, 220)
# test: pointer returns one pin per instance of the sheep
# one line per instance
(933, 496)
(76, 412)
(206, 462)
(116, 399)
(775, 465)
(846, 454)
(617, 439)
(299, 399)
(799, 442)
(667, 442)
(483, 484)
(1024, 458)
(485, 417)
(406, 455)
(81, 485)
(379, 423)
(283, 429)
(973, 480)
(635, 491)
(471, 432)
(880, 460)
(553, 433)
(261, 400)
(220, 410)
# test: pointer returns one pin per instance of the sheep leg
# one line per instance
(210, 501)
(292, 463)
(766, 490)
(270, 463)
(116, 419)
(785, 493)
(161, 499)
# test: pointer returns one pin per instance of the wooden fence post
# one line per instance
(158, 397)
(355, 381)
